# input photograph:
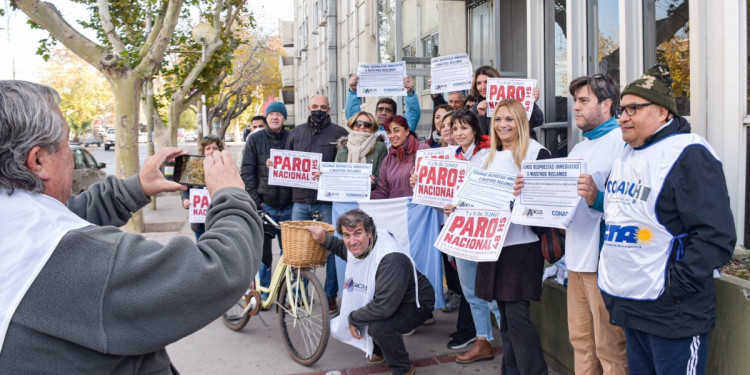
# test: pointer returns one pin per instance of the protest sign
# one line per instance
(451, 73)
(506, 88)
(438, 180)
(199, 201)
(294, 168)
(381, 79)
(486, 189)
(474, 234)
(445, 153)
(549, 197)
(344, 182)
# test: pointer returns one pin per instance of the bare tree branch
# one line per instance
(47, 16)
(152, 36)
(150, 63)
(108, 27)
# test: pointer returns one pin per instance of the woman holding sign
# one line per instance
(513, 280)
(207, 147)
(395, 171)
(473, 147)
(479, 90)
(435, 138)
(363, 145)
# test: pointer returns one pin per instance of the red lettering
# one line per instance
(306, 165)
(196, 200)
(520, 93)
(493, 91)
(481, 227)
(277, 161)
(431, 176)
(295, 164)
(205, 202)
(500, 93)
(511, 92)
(422, 174)
(442, 172)
(468, 229)
(286, 164)
(458, 222)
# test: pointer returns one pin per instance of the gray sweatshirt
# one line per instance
(108, 302)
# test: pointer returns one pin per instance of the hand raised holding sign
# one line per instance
(482, 108)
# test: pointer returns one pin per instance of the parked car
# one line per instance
(109, 139)
(142, 137)
(92, 139)
(228, 137)
(86, 171)
(191, 138)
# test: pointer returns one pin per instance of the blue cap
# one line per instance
(276, 107)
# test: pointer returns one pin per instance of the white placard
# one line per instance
(474, 234)
(381, 79)
(438, 180)
(549, 197)
(294, 168)
(199, 201)
(344, 182)
(451, 73)
(506, 88)
(486, 189)
(444, 153)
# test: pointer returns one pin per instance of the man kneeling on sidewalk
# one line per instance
(376, 305)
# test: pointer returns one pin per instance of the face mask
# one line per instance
(318, 116)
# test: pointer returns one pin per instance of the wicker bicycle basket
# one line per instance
(300, 250)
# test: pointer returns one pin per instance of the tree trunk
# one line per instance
(127, 90)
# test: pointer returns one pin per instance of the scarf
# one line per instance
(602, 129)
(484, 142)
(359, 145)
(409, 147)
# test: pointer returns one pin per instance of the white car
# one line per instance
(142, 137)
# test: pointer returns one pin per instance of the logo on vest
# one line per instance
(629, 234)
(351, 286)
(628, 190)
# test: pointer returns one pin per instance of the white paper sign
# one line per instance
(486, 189)
(474, 234)
(438, 180)
(451, 73)
(344, 182)
(444, 153)
(199, 201)
(381, 79)
(294, 168)
(506, 88)
(550, 193)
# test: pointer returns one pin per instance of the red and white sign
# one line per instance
(474, 234)
(505, 88)
(444, 153)
(199, 201)
(438, 180)
(294, 168)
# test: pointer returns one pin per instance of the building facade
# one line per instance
(553, 41)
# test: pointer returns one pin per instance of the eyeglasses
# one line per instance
(363, 124)
(630, 109)
(384, 109)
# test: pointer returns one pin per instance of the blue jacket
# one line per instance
(412, 111)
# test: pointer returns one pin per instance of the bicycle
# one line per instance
(300, 301)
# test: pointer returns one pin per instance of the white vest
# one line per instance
(633, 261)
(33, 225)
(359, 289)
(503, 162)
(582, 235)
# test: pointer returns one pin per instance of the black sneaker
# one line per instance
(457, 343)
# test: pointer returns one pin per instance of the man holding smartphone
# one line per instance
(276, 201)
(89, 296)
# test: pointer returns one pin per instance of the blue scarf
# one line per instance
(603, 129)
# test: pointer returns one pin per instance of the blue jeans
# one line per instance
(480, 309)
(264, 272)
(304, 211)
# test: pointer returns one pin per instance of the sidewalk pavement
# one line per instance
(258, 348)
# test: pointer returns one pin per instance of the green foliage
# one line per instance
(188, 120)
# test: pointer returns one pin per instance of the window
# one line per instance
(555, 86)
(604, 39)
(387, 31)
(667, 41)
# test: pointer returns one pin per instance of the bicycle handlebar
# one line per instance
(267, 219)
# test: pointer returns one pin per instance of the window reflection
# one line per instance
(608, 38)
(387, 30)
(670, 34)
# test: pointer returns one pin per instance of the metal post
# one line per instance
(150, 108)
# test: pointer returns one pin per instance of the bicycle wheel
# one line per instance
(236, 318)
(303, 317)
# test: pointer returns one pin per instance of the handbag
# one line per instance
(553, 243)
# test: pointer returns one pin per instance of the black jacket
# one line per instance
(693, 200)
(255, 173)
(310, 138)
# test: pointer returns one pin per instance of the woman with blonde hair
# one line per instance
(363, 145)
(513, 280)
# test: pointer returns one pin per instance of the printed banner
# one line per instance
(451, 73)
(294, 168)
(381, 79)
(550, 193)
(344, 182)
(199, 201)
(506, 88)
(474, 234)
(485, 189)
(445, 153)
(438, 180)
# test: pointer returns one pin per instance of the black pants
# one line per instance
(388, 338)
(522, 352)
(465, 322)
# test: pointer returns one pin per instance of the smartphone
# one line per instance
(188, 170)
